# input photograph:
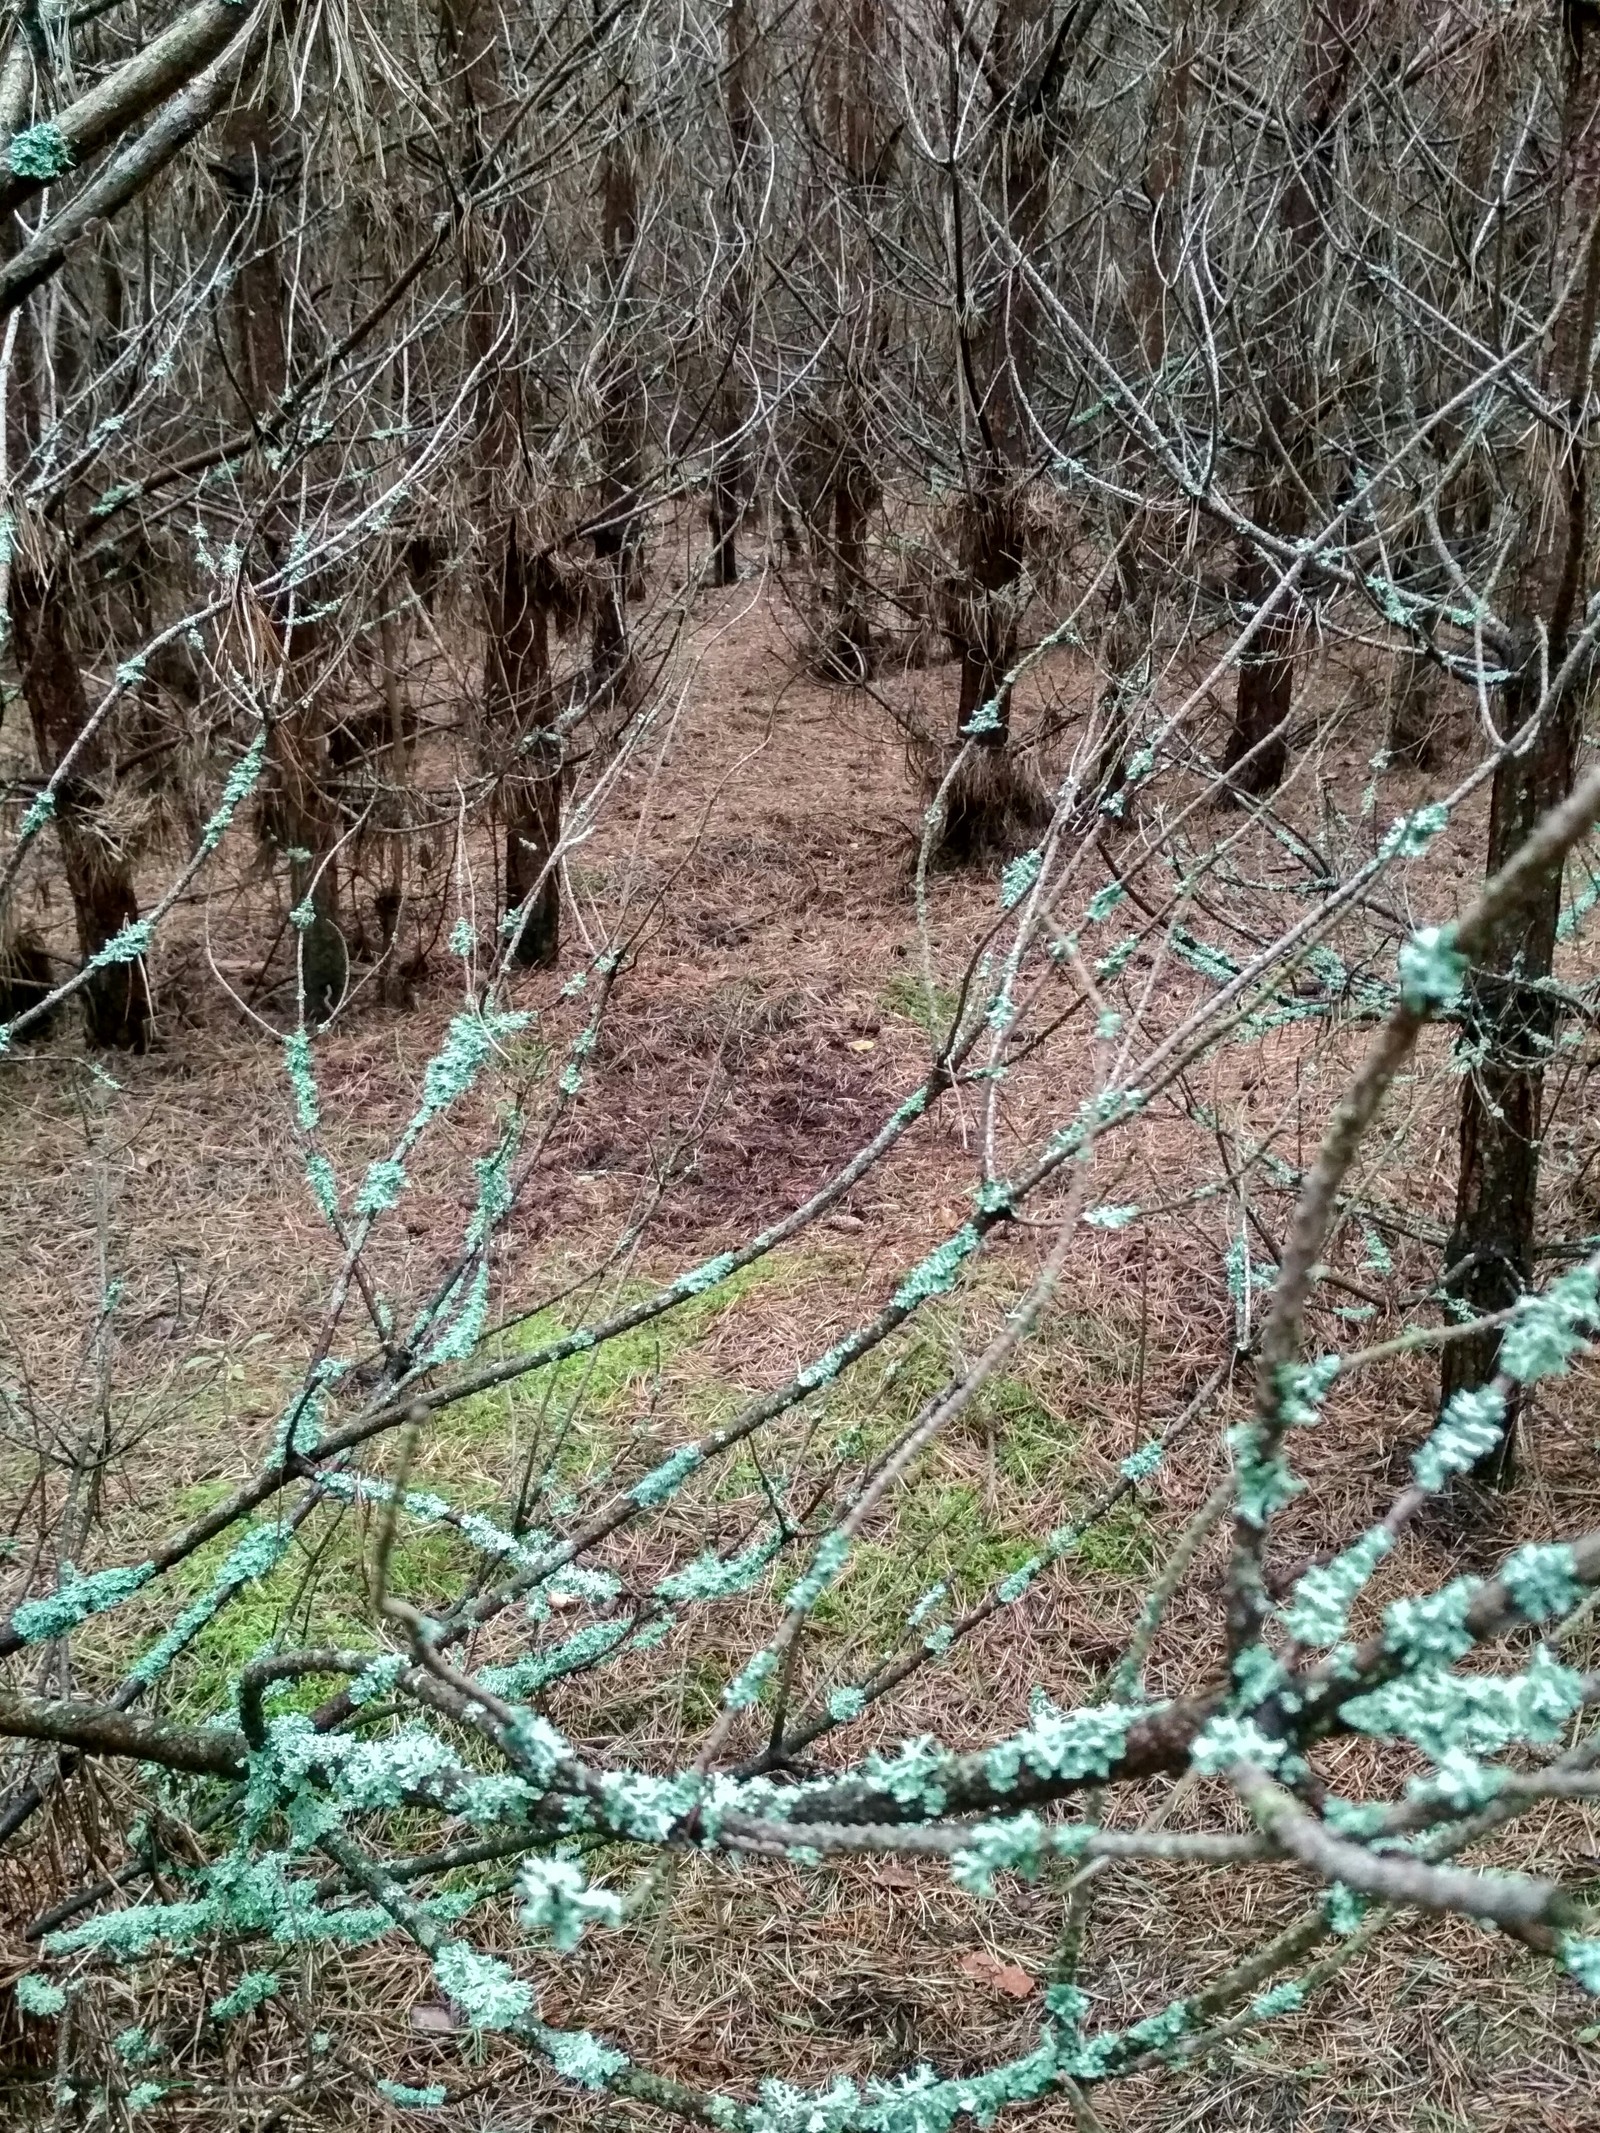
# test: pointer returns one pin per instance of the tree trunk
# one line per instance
(616, 538)
(994, 806)
(1126, 649)
(1509, 1015)
(530, 792)
(1509, 1020)
(98, 875)
(254, 170)
(99, 878)
(1257, 754)
(518, 737)
(851, 125)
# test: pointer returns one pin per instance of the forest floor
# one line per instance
(773, 1018)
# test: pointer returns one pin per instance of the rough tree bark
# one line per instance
(729, 464)
(1257, 754)
(1130, 617)
(1510, 1012)
(98, 873)
(99, 876)
(513, 579)
(993, 804)
(622, 410)
(852, 126)
(254, 169)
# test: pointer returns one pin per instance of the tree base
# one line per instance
(26, 979)
(995, 807)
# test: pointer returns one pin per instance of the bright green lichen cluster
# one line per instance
(1013, 1847)
(126, 945)
(408, 2099)
(1482, 1714)
(664, 1481)
(1018, 878)
(1140, 1465)
(1543, 1580)
(1263, 1479)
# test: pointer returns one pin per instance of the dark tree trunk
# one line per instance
(1509, 1020)
(255, 170)
(1510, 1015)
(1257, 753)
(530, 791)
(616, 538)
(994, 804)
(728, 466)
(99, 878)
(984, 634)
(518, 738)
(851, 123)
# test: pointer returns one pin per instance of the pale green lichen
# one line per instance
(76, 1599)
(1018, 878)
(1263, 1481)
(1431, 970)
(1111, 1217)
(1481, 1714)
(302, 1080)
(382, 1186)
(1141, 1464)
(1302, 1389)
(665, 1480)
(39, 1996)
(1283, 1999)
(1430, 1629)
(560, 1906)
(1543, 1581)
(1012, 1847)
(1319, 1607)
(752, 1678)
(1548, 1330)
(1411, 835)
(259, 1552)
(580, 2057)
(714, 1577)
(936, 1275)
(1227, 1741)
(833, 1551)
(1582, 1960)
(40, 153)
(127, 945)
(1063, 1744)
(253, 1990)
(487, 1991)
(1467, 1431)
